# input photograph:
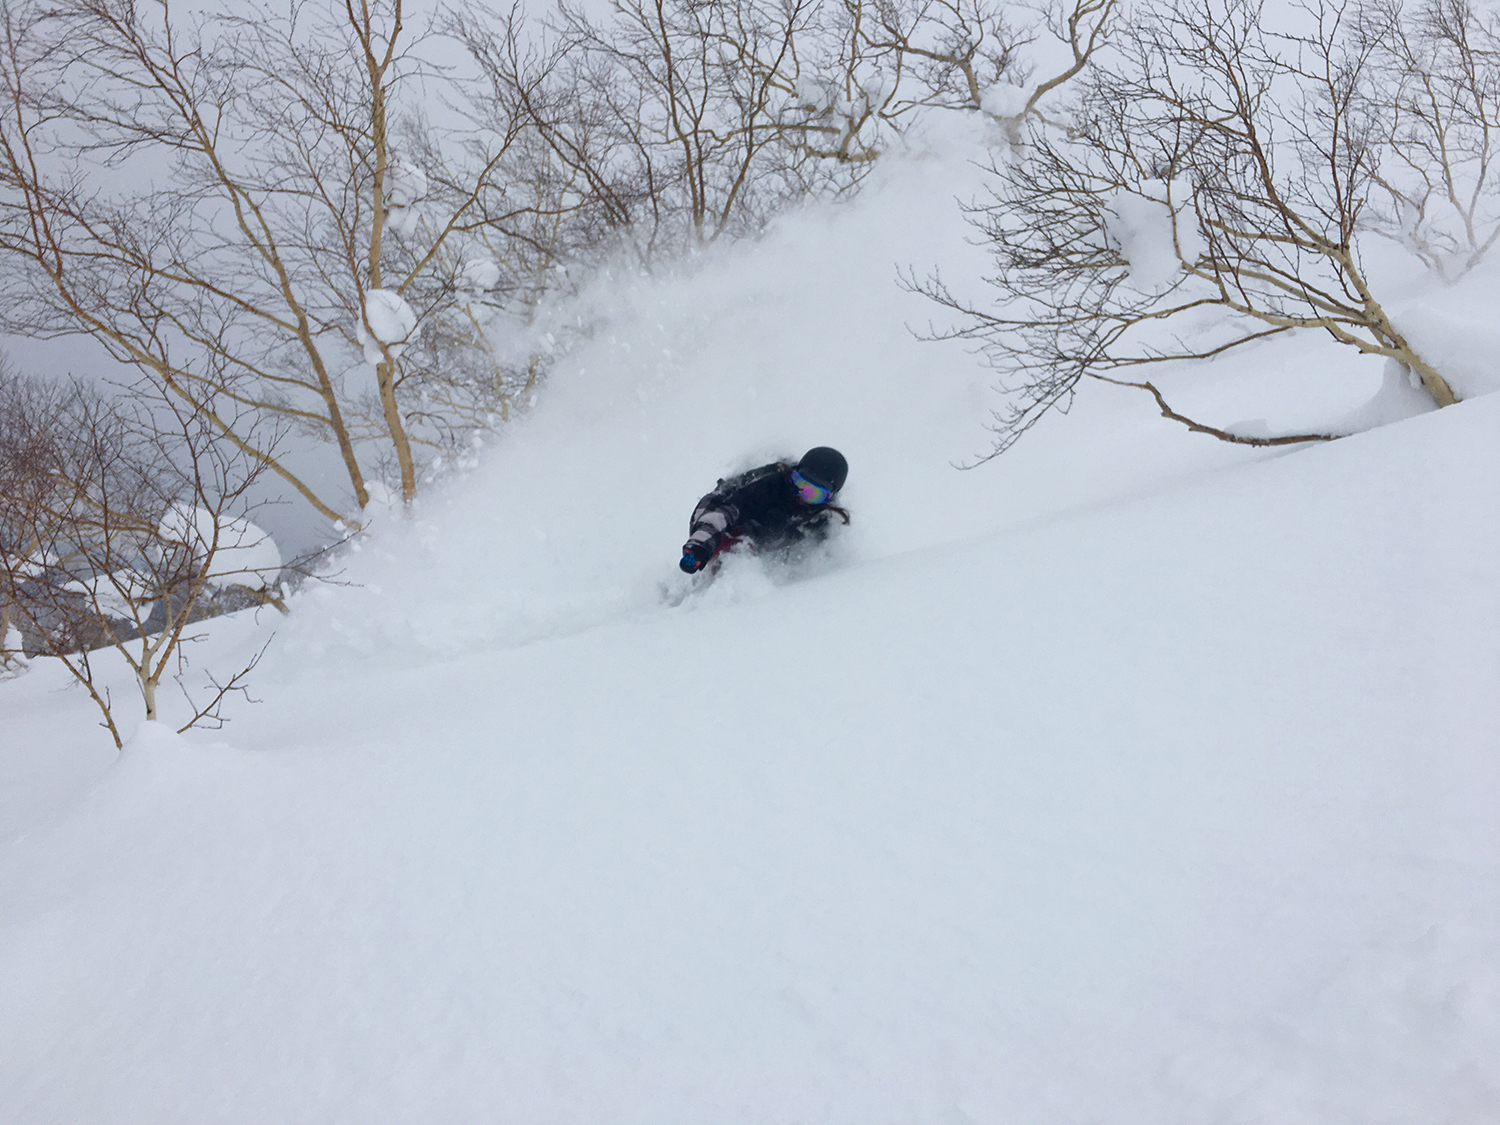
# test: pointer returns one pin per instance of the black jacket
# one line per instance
(761, 506)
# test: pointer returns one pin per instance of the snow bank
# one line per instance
(243, 554)
(577, 513)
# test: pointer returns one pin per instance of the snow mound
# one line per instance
(243, 554)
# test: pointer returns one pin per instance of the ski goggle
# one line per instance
(809, 492)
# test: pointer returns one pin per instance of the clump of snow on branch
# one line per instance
(246, 555)
(877, 87)
(820, 96)
(405, 187)
(1005, 100)
(391, 322)
(1155, 230)
(478, 275)
(407, 184)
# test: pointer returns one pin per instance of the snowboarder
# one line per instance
(771, 508)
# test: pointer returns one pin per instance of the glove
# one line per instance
(695, 557)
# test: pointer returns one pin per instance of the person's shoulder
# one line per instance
(774, 469)
(754, 476)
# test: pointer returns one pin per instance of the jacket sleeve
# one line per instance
(731, 506)
(712, 518)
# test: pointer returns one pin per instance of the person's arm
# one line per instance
(712, 518)
(726, 510)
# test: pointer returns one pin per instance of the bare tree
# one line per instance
(684, 122)
(1212, 192)
(120, 527)
(963, 54)
(252, 211)
(666, 116)
(1434, 80)
(258, 212)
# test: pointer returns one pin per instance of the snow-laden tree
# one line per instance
(1214, 185)
(239, 205)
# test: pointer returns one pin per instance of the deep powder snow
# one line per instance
(1132, 778)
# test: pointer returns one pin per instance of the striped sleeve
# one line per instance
(713, 516)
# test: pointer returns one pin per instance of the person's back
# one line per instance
(771, 507)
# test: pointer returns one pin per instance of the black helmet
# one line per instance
(824, 466)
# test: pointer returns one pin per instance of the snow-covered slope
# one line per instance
(1129, 779)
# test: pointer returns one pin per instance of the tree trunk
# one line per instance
(7, 654)
(148, 695)
(385, 377)
(1432, 382)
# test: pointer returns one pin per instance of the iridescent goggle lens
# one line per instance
(809, 492)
